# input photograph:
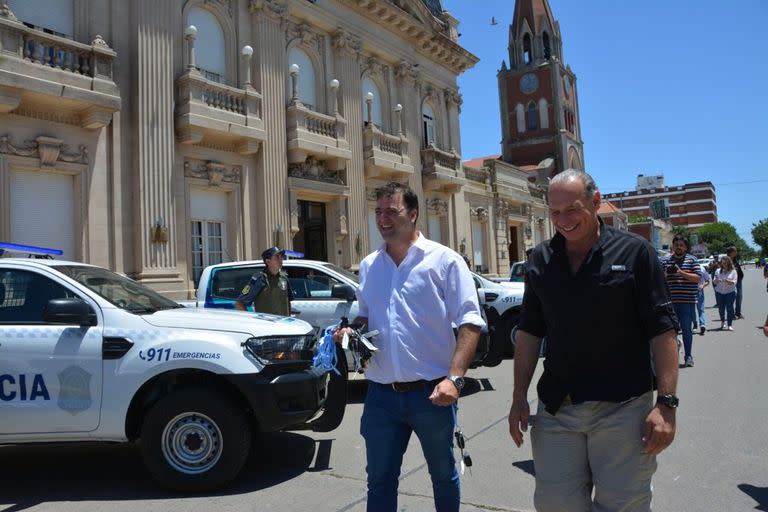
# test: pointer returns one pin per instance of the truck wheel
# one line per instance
(509, 322)
(195, 439)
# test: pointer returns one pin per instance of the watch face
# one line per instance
(529, 83)
(458, 382)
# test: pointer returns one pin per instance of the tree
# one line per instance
(720, 235)
(760, 235)
(682, 230)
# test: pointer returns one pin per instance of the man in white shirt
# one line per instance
(412, 290)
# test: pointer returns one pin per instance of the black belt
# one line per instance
(404, 387)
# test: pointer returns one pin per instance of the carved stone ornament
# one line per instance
(272, 8)
(406, 71)
(5, 12)
(302, 33)
(345, 41)
(480, 213)
(48, 149)
(431, 93)
(214, 172)
(437, 206)
(370, 194)
(99, 41)
(314, 169)
(502, 208)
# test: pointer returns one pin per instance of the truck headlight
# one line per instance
(282, 348)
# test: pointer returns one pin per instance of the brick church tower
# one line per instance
(538, 95)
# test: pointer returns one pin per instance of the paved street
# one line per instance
(719, 461)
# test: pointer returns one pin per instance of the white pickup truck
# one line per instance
(89, 355)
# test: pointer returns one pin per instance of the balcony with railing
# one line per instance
(385, 155)
(215, 114)
(52, 74)
(441, 170)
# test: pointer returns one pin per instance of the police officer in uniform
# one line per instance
(268, 290)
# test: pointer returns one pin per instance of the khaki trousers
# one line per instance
(592, 445)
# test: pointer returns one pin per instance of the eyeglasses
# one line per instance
(388, 212)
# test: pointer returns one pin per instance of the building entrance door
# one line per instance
(310, 239)
(513, 254)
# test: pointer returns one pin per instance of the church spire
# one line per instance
(534, 35)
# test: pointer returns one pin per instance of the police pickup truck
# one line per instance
(89, 355)
(324, 292)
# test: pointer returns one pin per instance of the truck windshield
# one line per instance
(119, 290)
(350, 275)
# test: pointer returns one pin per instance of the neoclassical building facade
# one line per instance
(155, 138)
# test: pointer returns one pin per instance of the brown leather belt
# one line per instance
(404, 387)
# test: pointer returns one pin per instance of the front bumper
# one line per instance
(283, 400)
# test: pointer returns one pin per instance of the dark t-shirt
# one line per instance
(598, 321)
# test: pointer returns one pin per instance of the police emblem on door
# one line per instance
(75, 390)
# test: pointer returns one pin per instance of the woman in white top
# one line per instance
(725, 291)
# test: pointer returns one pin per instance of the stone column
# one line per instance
(156, 232)
(271, 206)
(346, 48)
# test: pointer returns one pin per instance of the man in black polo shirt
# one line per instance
(600, 297)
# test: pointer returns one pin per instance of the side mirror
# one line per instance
(69, 311)
(343, 291)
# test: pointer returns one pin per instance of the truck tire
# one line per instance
(508, 322)
(195, 439)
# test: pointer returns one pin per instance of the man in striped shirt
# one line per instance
(683, 275)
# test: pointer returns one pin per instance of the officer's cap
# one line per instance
(271, 252)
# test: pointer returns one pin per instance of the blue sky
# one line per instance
(665, 87)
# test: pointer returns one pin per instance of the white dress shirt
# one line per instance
(414, 307)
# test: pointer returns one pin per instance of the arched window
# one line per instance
(210, 53)
(533, 117)
(52, 16)
(527, 52)
(370, 86)
(547, 48)
(428, 118)
(520, 117)
(307, 90)
(543, 113)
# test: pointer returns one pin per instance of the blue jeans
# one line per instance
(700, 307)
(725, 305)
(388, 419)
(739, 296)
(686, 314)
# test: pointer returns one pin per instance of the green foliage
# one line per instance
(719, 235)
(682, 230)
(760, 235)
(636, 219)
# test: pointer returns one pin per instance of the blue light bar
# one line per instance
(29, 249)
(294, 254)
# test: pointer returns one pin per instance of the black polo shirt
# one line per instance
(599, 321)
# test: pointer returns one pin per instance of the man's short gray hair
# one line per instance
(590, 187)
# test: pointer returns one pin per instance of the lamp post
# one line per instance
(335, 88)
(247, 53)
(399, 113)
(369, 105)
(190, 33)
(294, 71)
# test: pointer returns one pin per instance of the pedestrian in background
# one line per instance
(600, 297)
(703, 283)
(269, 290)
(412, 290)
(726, 280)
(683, 274)
(732, 253)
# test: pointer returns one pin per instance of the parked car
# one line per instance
(89, 355)
(517, 272)
(502, 304)
(323, 293)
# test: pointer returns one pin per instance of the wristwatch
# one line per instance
(670, 401)
(457, 381)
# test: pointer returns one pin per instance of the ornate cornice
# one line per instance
(314, 169)
(437, 206)
(48, 149)
(214, 172)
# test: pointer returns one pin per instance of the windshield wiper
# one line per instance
(139, 309)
